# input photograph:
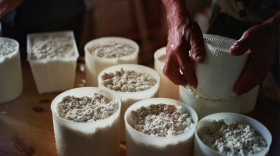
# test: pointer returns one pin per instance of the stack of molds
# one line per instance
(216, 78)
(53, 58)
(10, 75)
(249, 100)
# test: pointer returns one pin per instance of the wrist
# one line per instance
(176, 22)
(176, 11)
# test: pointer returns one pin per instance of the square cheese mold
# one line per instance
(53, 74)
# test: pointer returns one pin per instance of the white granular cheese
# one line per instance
(160, 120)
(232, 138)
(6, 48)
(192, 91)
(128, 81)
(111, 49)
(54, 46)
(86, 109)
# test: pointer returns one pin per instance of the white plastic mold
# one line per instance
(55, 74)
(205, 107)
(248, 101)
(95, 64)
(139, 144)
(11, 74)
(100, 137)
(129, 98)
(200, 149)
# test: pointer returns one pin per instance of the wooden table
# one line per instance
(26, 127)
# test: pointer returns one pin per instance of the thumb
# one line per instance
(241, 46)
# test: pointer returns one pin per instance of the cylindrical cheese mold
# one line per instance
(167, 89)
(95, 64)
(140, 144)
(220, 70)
(205, 107)
(0, 29)
(129, 98)
(10, 67)
(200, 149)
(249, 100)
(99, 138)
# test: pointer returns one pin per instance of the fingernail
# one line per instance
(234, 49)
(200, 57)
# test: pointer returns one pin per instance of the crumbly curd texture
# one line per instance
(163, 120)
(127, 81)
(53, 46)
(6, 48)
(232, 138)
(86, 109)
(111, 49)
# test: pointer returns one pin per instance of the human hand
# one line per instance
(184, 35)
(262, 41)
(183, 38)
(7, 6)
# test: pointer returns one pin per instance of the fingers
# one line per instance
(189, 74)
(197, 44)
(180, 62)
(171, 70)
(251, 75)
(249, 79)
(187, 68)
(255, 71)
(260, 60)
(179, 43)
(244, 43)
(178, 59)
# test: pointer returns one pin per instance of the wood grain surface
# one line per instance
(26, 127)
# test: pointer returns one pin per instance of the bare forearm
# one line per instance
(175, 7)
(7, 6)
(176, 11)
